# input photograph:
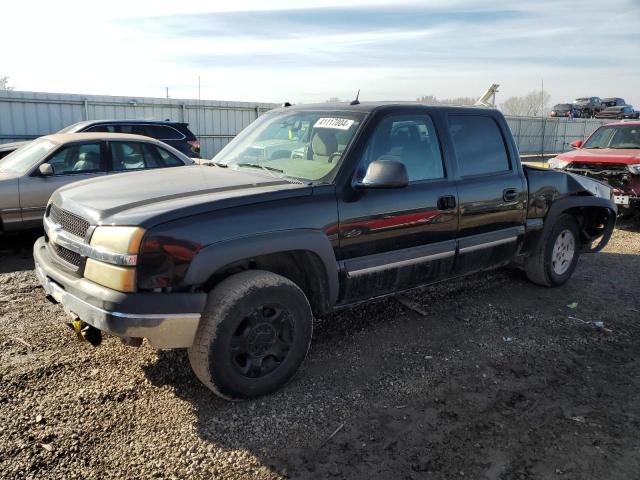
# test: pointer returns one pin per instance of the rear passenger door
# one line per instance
(394, 239)
(492, 192)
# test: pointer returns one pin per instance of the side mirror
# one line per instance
(46, 170)
(385, 174)
(576, 144)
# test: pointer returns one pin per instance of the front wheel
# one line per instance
(554, 261)
(253, 335)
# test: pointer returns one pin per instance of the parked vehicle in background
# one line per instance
(29, 175)
(367, 200)
(565, 110)
(618, 113)
(612, 155)
(613, 102)
(176, 134)
(588, 106)
(7, 148)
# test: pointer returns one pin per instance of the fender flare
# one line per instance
(560, 206)
(214, 257)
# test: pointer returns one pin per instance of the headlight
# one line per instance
(121, 240)
(557, 163)
(113, 256)
(635, 169)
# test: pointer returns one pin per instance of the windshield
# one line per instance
(24, 158)
(562, 106)
(618, 136)
(305, 145)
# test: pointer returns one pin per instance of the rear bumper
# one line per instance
(167, 320)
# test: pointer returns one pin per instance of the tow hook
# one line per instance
(86, 332)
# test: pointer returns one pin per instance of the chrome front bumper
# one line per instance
(163, 330)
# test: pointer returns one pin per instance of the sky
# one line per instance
(311, 50)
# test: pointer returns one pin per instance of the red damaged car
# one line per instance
(611, 154)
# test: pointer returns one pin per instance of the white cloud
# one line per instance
(72, 46)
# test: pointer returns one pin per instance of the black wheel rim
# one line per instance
(262, 341)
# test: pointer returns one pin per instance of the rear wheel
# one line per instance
(253, 336)
(556, 257)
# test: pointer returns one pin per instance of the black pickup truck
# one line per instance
(309, 209)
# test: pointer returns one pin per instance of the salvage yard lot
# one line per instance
(495, 381)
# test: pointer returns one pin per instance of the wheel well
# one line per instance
(302, 267)
(592, 221)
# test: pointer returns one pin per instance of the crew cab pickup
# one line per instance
(234, 260)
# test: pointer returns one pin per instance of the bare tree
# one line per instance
(432, 100)
(4, 84)
(533, 104)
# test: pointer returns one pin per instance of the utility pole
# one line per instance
(198, 108)
(543, 121)
(542, 99)
(167, 91)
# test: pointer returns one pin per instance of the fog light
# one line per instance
(122, 279)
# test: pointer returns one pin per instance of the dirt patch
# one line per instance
(495, 381)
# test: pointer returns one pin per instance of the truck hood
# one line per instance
(151, 197)
(606, 155)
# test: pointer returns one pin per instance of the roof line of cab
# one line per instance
(367, 107)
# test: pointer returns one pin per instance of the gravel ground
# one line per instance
(493, 381)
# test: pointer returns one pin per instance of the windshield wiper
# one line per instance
(269, 170)
(217, 164)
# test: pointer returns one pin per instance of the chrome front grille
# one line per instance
(69, 222)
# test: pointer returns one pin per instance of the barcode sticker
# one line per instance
(336, 123)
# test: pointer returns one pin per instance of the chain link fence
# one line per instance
(539, 136)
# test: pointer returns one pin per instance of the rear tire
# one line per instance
(253, 336)
(556, 256)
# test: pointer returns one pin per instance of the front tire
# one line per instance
(253, 336)
(554, 261)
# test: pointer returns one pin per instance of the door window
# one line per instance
(478, 145)
(163, 132)
(76, 159)
(101, 128)
(131, 156)
(168, 159)
(136, 129)
(409, 139)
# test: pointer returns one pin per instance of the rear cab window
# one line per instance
(478, 145)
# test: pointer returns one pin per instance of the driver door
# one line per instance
(397, 238)
(70, 163)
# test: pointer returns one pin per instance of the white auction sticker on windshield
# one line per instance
(337, 123)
